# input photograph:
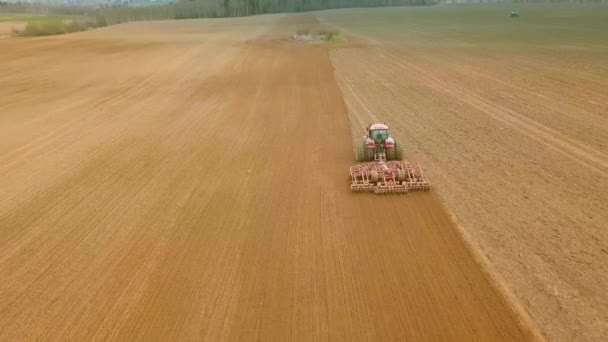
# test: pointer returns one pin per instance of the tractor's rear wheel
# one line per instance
(369, 153)
(398, 151)
(361, 155)
(390, 153)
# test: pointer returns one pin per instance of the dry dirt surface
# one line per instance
(510, 120)
(188, 181)
(6, 28)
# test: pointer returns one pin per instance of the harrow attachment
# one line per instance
(387, 177)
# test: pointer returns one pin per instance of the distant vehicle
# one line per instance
(514, 15)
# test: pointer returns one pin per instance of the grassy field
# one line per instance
(26, 18)
(28, 25)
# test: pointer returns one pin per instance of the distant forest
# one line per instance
(186, 9)
(236, 8)
(249, 7)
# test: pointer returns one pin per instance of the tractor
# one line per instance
(381, 169)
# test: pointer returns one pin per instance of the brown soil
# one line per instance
(6, 28)
(188, 181)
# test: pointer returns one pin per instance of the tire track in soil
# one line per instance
(230, 218)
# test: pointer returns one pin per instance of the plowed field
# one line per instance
(188, 180)
(510, 119)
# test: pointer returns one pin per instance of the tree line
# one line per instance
(190, 9)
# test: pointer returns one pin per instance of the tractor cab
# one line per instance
(378, 133)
